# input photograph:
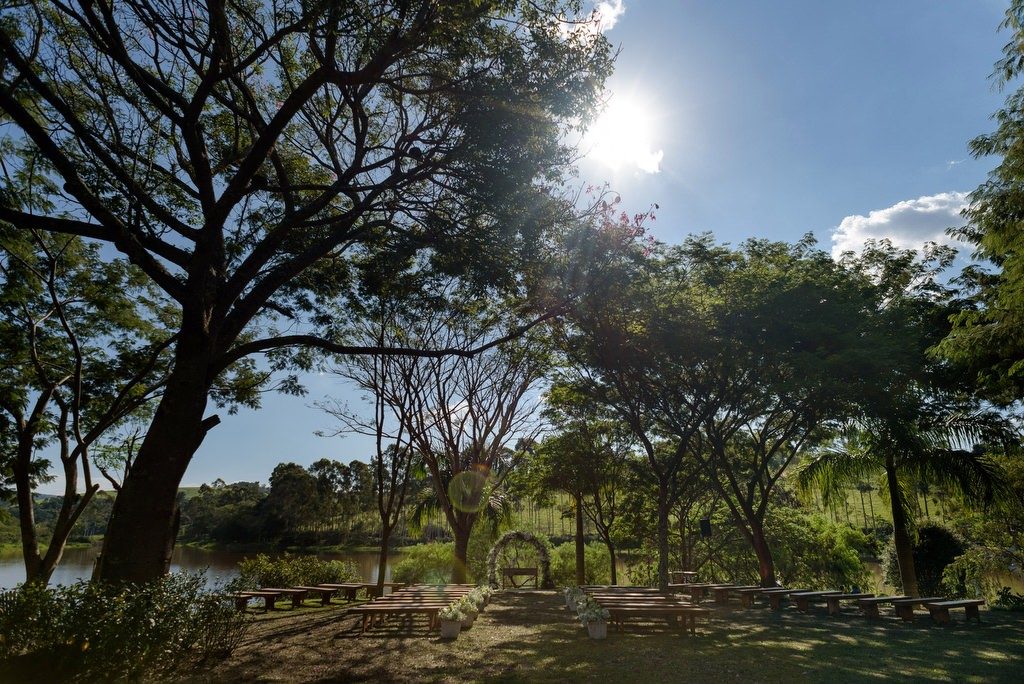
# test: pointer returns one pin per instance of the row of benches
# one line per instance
(298, 594)
(903, 606)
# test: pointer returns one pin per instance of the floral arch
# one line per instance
(528, 538)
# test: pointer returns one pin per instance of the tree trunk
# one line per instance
(611, 555)
(900, 535)
(460, 570)
(765, 562)
(663, 511)
(382, 560)
(143, 524)
(26, 510)
(580, 555)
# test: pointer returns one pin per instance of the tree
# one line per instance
(586, 458)
(985, 335)
(736, 359)
(83, 353)
(463, 415)
(246, 156)
(918, 418)
(292, 501)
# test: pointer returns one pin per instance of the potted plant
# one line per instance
(572, 597)
(469, 611)
(594, 617)
(476, 597)
(451, 618)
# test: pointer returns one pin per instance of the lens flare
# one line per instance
(466, 491)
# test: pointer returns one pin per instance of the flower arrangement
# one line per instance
(590, 611)
(467, 606)
(476, 597)
(573, 595)
(451, 613)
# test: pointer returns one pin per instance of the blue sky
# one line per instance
(772, 119)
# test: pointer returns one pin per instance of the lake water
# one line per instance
(219, 566)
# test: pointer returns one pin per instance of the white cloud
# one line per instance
(908, 224)
(608, 13)
(602, 18)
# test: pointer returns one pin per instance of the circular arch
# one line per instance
(528, 538)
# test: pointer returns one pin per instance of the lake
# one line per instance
(220, 566)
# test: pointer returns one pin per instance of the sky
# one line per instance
(747, 119)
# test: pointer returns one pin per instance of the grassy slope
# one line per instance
(529, 637)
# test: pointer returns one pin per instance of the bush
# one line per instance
(289, 570)
(935, 549)
(89, 631)
(596, 564)
(425, 564)
(811, 550)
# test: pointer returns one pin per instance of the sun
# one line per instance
(623, 137)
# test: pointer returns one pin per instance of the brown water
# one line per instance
(219, 566)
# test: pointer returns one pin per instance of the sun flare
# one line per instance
(623, 137)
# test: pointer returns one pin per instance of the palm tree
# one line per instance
(938, 444)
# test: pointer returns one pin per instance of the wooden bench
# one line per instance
(698, 591)
(904, 608)
(510, 575)
(241, 600)
(371, 611)
(682, 576)
(687, 615)
(325, 593)
(723, 593)
(749, 596)
(269, 597)
(297, 595)
(940, 609)
(869, 606)
(833, 600)
(349, 589)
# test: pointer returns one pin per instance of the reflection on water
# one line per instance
(220, 566)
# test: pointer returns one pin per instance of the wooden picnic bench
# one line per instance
(869, 606)
(510, 574)
(940, 610)
(350, 589)
(833, 600)
(904, 608)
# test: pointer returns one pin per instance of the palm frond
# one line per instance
(833, 469)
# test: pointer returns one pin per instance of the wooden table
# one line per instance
(510, 574)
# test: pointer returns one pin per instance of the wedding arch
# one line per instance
(527, 538)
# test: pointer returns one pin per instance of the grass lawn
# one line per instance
(530, 637)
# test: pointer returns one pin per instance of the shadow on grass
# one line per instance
(530, 636)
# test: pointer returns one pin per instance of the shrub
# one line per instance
(425, 564)
(89, 631)
(935, 549)
(288, 570)
(596, 564)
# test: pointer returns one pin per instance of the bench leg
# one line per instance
(905, 613)
(775, 602)
(940, 615)
(269, 601)
(833, 608)
(871, 610)
(973, 612)
(802, 605)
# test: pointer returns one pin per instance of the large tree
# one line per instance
(83, 350)
(986, 333)
(242, 154)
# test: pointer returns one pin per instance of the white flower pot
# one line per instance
(598, 630)
(450, 629)
(468, 622)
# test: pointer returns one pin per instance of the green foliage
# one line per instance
(935, 549)
(426, 563)
(814, 552)
(289, 570)
(90, 632)
(597, 564)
